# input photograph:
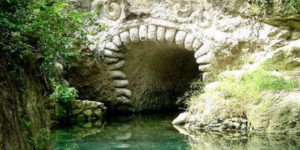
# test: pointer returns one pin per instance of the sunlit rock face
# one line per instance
(213, 35)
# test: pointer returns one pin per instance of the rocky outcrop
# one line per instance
(92, 80)
(279, 116)
(85, 113)
(273, 111)
(223, 36)
(216, 110)
(23, 117)
(88, 113)
(217, 34)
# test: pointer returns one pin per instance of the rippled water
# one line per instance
(155, 132)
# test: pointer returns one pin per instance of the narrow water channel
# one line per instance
(155, 132)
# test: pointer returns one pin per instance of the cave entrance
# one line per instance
(158, 74)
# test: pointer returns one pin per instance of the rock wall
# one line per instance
(141, 33)
(251, 44)
(23, 117)
(92, 80)
(219, 34)
(278, 112)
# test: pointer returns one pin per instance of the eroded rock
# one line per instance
(220, 34)
(88, 113)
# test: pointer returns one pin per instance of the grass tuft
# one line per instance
(250, 85)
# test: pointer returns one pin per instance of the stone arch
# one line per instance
(114, 55)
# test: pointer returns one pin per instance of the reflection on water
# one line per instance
(202, 140)
(138, 132)
(155, 132)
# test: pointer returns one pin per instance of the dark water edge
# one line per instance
(155, 132)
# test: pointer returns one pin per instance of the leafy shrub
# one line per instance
(64, 97)
(45, 31)
(42, 141)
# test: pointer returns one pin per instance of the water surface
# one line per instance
(136, 132)
(155, 132)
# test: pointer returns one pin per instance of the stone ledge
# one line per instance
(85, 111)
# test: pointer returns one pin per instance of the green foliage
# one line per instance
(45, 31)
(249, 87)
(261, 7)
(292, 5)
(245, 89)
(262, 3)
(278, 64)
(43, 139)
(262, 81)
(27, 124)
(64, 96)
(54, 27)
(62, 93)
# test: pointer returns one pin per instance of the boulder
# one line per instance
(181, 119)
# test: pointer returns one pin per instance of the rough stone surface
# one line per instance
(181, 119)
(23, 113)
(277, 112)
(92, 80)
(85, 111)
(280, 116)
(219, 33)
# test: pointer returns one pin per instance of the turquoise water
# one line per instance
(155, 132)
(137, 132)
